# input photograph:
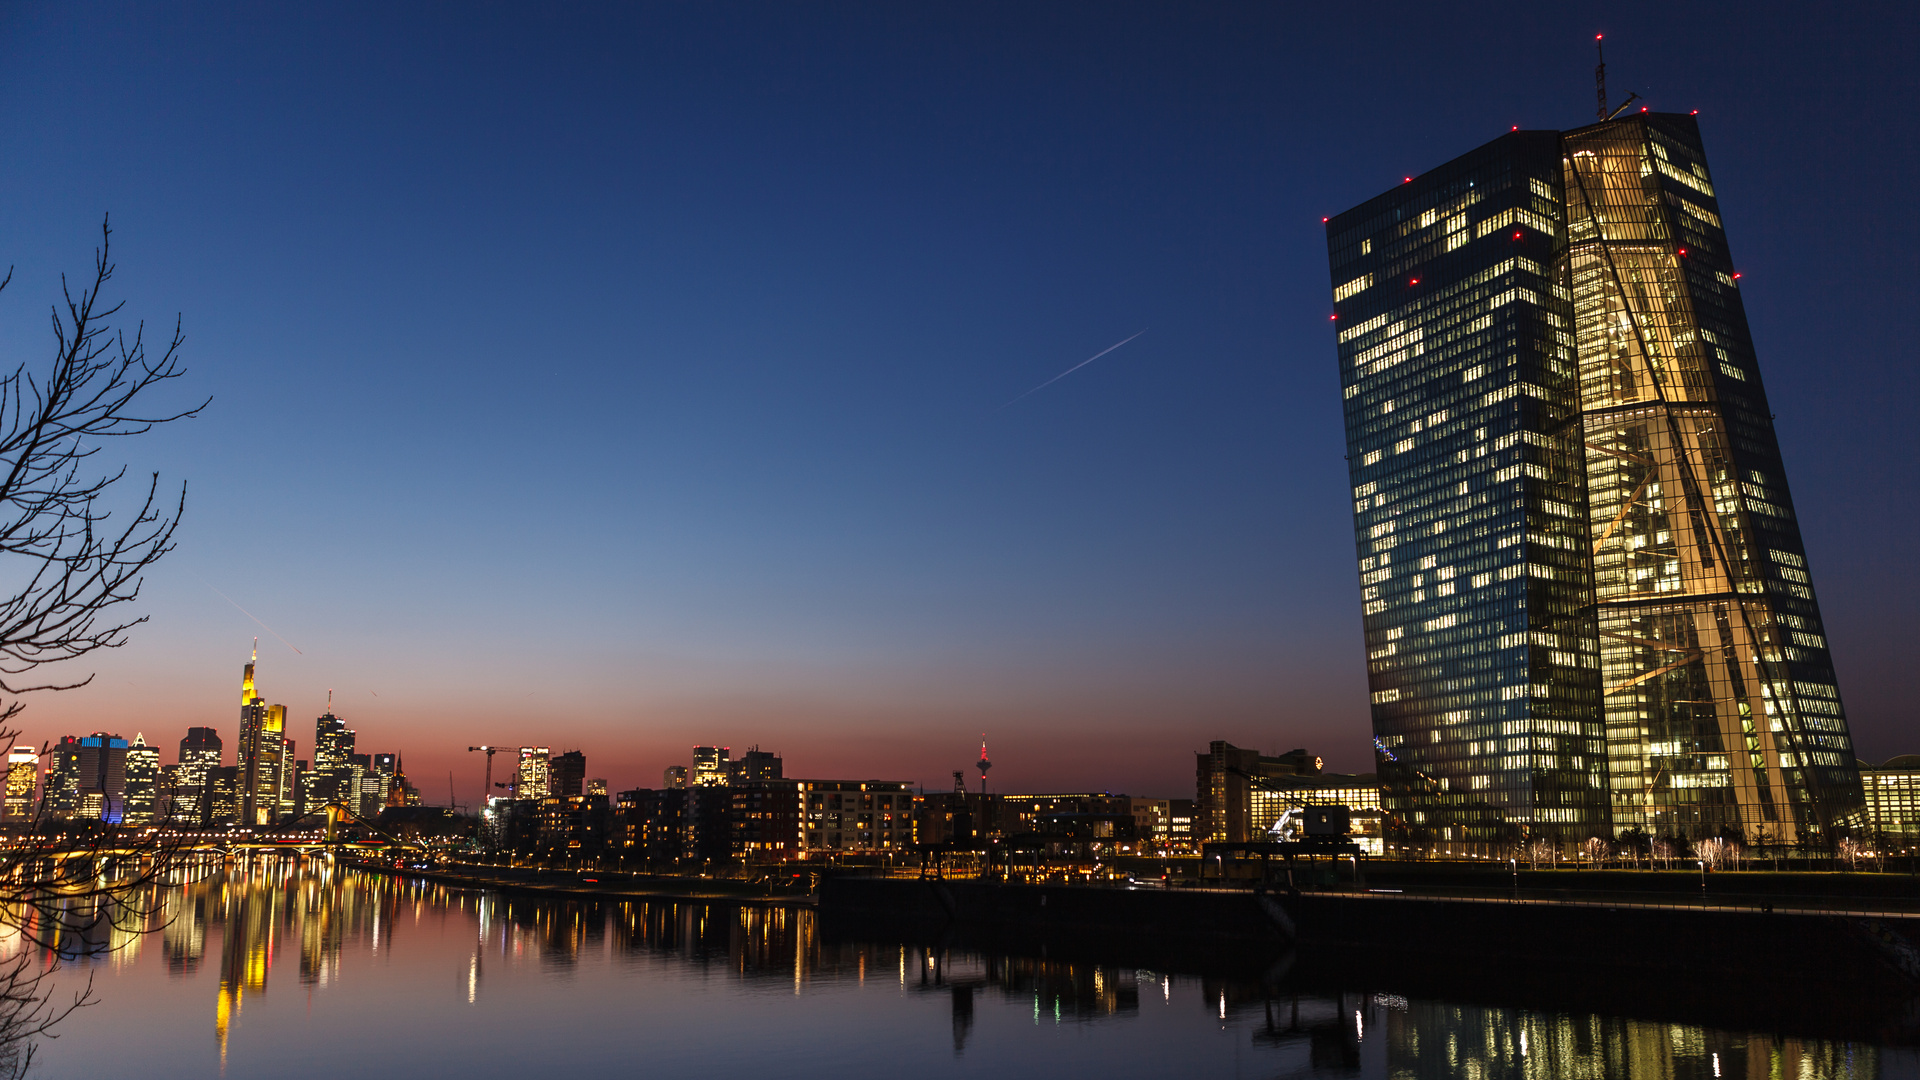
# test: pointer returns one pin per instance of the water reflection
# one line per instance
(262, 912)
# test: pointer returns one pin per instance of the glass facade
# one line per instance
(1460, 386)
(1587, 607)
(1893, 802)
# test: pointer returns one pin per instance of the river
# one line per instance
(290, 968)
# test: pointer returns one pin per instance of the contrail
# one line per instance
(1074, 368)
(252, 616)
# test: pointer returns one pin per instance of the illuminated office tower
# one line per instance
(710, 765)
(1586, 603)
(532, 780)
(674, 778)
(100, 780)
(261, 752)
(23, 778)
(287, 803)
(60, 796)
(143, 774)
(332, 750)
(200, 752)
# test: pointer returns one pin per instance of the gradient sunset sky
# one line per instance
(628, 378)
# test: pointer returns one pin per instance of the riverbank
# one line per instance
(1845, 950)
(607, 885)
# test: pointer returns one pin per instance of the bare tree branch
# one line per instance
(70, 889)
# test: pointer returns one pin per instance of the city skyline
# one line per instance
(781, 502)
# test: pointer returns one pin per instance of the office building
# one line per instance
(673, 777)
(222, 795)
(23, 782)
(142, 781)
(333, 779)
(1226, 778)
(60, 797)
(100, 781)
(1893, 802)
(200, 753)
(287, 804)
(710, 765)
(568, 773)
(754, 766)
(531, 781)
(1586, 603)
(261, 751)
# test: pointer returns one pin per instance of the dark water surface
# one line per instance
(296, 969)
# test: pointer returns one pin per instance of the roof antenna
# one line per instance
(1600, 76)
(1600, 84)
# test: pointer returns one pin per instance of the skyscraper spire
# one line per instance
(246, 680)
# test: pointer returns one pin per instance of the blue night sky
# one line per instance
(634, 377)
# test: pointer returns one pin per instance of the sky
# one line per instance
(634, 377)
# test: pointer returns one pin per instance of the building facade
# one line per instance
(533, 780)
(200, 753)
(1892, 791)
(142, 780)
(23, 782)
(855, 815)
(261, 752)
(1586, 603)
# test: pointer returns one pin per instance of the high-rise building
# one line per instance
(568, 774)
(673, 778)
(332, 751)
(143, 775)
(23, 778)
(222, 795)
(754, 766)
(200, 752)
(709, 765)
(288, 802)
(1587, 605)
(261, 753)
(60, 796)
(101, 778)
(531, 780)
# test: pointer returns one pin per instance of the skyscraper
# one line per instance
(60, 795)
(23, 777)
(200, 752)
(143, 773)
(261, 752)
(332, 751)
(1587, 606)
(568, 773)
(531, 781)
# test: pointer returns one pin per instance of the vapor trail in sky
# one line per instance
(1075, 368)
(252, 616)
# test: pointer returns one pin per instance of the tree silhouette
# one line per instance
(75, 563)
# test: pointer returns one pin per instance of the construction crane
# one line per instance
(487, 791)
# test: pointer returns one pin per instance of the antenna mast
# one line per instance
(1600, 75)
(1600, 85)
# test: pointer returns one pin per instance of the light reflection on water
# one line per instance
(377, 976)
